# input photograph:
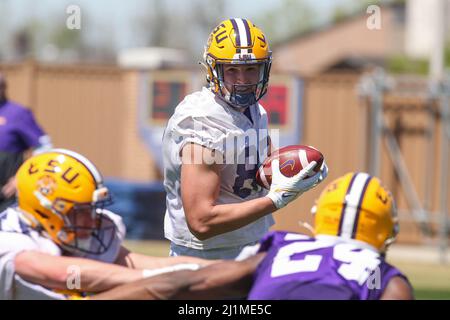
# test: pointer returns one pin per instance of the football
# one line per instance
(292, 159)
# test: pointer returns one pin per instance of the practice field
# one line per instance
(429, 279)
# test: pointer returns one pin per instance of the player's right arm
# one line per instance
(398, 289)
(200, 185)
(224, 280)
(54, 272)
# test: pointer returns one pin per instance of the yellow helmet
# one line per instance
(357, 206)
(53, 189)
(237, 41)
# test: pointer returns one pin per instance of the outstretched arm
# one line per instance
(140, 261)
(228, 279)
(55, 272)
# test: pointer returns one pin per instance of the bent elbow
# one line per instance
(200, 230)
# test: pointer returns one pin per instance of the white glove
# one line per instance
(323, 173)
(286, 189)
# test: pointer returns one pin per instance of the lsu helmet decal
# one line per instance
(54, 190)
(357, 206)
(237, 41)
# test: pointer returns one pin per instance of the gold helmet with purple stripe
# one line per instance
(358, 207)
(237, 41)
(61, 193)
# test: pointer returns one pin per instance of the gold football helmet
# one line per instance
(237, 41)
(60, 193)
(356, 206)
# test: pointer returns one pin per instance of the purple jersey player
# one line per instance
(19, 132)
(355, 222)
(299, 267)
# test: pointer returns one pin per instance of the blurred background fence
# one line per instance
(95, 110)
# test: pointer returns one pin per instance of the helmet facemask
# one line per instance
(242, 95)
(395, 229)
(86, 229)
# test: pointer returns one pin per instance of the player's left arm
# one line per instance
(224, 280)
(135, 260)
(398, 289)
(55, 272)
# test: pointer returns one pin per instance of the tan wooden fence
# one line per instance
(93, 110)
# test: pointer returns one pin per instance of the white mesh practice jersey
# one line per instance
(16, 236)
(204, 119)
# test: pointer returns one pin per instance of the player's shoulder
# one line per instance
(14, 235)
(10, 221)
(14, 242)
(389, 270)
(200, 104)
(199, 97)
(398, 288)
(262, 110)
(17, 109)
(395, 283)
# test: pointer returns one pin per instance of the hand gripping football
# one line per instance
(292, 159)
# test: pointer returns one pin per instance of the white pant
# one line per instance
(229, 253)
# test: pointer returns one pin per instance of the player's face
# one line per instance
(241, 75)
(83, 220)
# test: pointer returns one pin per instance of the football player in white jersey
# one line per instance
(213, 145)
(59, 241)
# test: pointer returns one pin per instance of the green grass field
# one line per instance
(430, 281)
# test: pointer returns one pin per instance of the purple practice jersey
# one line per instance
(18, 128)
(298, 267)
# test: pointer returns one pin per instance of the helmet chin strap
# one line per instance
(243, 100)
(239, 101)
(227, 101)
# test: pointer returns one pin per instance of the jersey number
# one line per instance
(245, 181)
(357, 265)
